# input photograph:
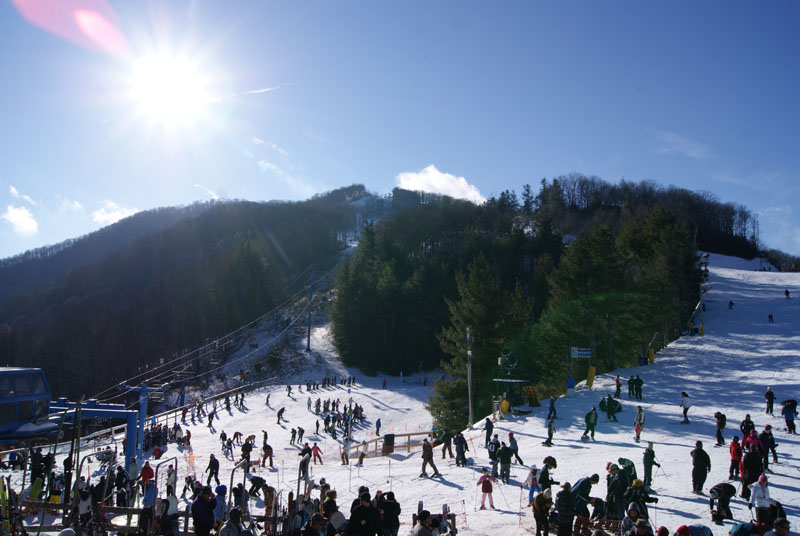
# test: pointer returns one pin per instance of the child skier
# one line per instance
(485, 482)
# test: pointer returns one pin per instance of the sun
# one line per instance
(169, 90)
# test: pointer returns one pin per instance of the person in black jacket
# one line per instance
(545, 481)
(751, 470)
(721, 494)
(364, 520)
(701, 466)
(447, 441)
(461, 449)
(721, 421)
(203, 512)
(565, 510)
(769, 396)
(390, 509)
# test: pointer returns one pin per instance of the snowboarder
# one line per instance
(551, 429)
(280, 414)
(649, 459)
(427, 458)
(769, 396)
(591, 422)
(485, 482)
(685, 405)
(638, 422)
(551, 412)
(701, 466)
(721, 420)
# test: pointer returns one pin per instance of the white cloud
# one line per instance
(15, 193)
(21, 219)
(70, 204)
(274, 146)
(260, 90)
(298, 186)
(434, 181)
(209, 191)
(674, 143)
(111, 212)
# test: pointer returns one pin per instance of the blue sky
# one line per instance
(113, 107)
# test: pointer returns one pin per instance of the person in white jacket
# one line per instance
(759, 498)
(685, 404)
(533, 482)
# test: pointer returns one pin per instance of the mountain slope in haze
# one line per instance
(173, 288)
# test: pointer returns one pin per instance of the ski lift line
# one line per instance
(246, 326)
(250, 354)
(198, 350)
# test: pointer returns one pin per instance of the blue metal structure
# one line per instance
(24, 403)
(91, 408)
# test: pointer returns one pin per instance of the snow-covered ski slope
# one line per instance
(727, 369)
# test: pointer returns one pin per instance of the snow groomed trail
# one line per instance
(728, 369)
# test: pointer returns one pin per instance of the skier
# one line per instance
(769, 396)
(736, 458)
(618, 385)
(300, 432)
(730, 305)
(533, 482)
(649, 459)
(721, 494)
(591, 422)
(551, 429)
(485, 482)
(266, 453)
(627, 466)
(771, 318)
(768, 444)
(630, 387)
(461, 449)
(316, 452)
(212, 470)
(685, 404)
(721, 421)
(280, 414)
(637, 387)
(489, 427)
(565, 509)
(512, 444)
(378, 428)
(293, 436)
(701, 466)
(551, 413)
(786, 293)
(750, 469)
(638, 422)
(427, 458)
(447, 443)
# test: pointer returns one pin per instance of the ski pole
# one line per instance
(503, 495)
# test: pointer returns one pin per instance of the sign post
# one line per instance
(576, 353)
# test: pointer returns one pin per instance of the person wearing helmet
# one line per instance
(219, 509)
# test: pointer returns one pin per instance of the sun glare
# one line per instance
(169, 91)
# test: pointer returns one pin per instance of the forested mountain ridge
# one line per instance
(174, 287)
(580, 263)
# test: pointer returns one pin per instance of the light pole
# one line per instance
(469, 376)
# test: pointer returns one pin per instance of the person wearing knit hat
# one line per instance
(760, 499)
(643, 528)
(542, 503)
(683, 530)
(485, 482)
(662, 531)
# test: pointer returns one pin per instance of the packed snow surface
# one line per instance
(727, 369)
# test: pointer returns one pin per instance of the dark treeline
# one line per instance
(626, 270)
(171, 289)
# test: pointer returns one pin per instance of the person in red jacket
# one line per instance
(146, 474)
(736, 458)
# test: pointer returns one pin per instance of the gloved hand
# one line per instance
(655, 500)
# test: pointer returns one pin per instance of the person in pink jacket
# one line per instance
(485, 482)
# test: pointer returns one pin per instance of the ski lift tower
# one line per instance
(143, 390)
